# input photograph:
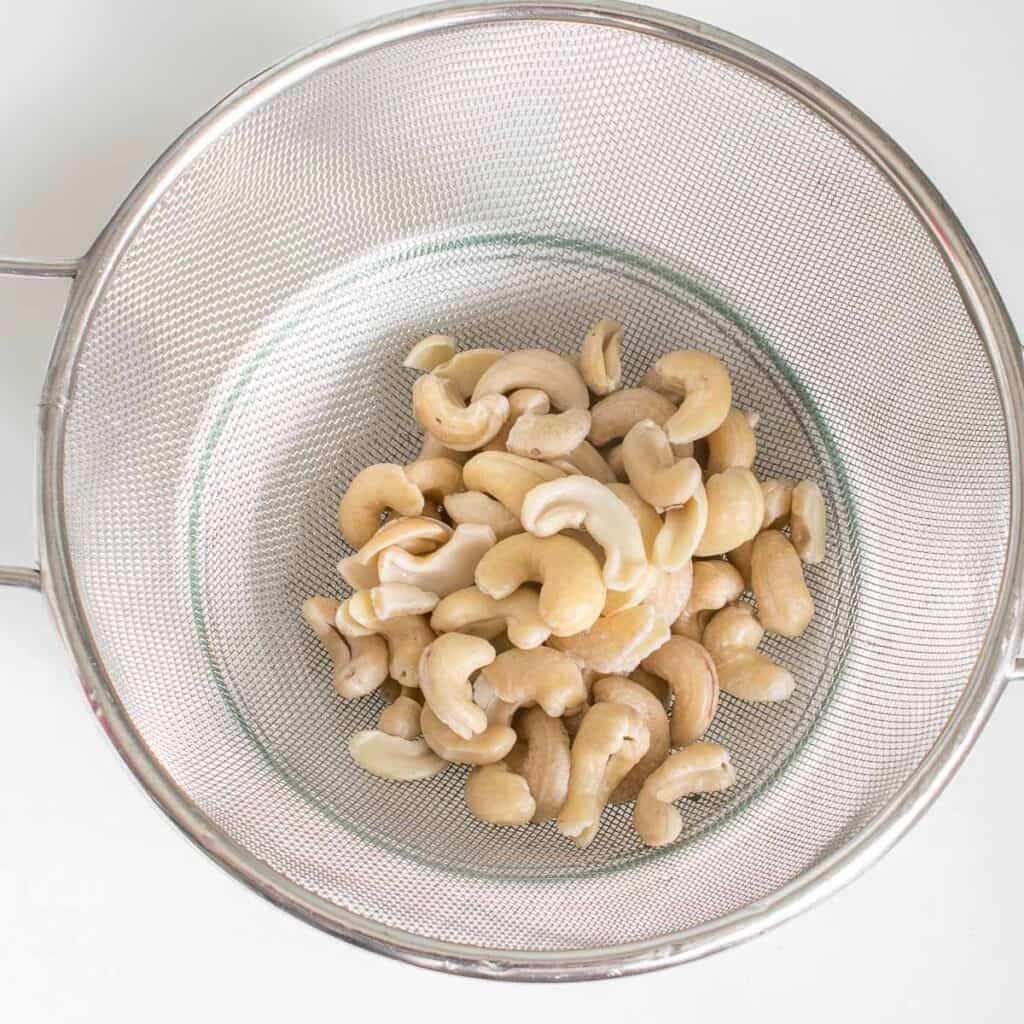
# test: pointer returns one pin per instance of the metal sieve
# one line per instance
(508, 173)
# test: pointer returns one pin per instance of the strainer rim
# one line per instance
(996, 658)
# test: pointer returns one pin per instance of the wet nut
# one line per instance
(586, 459)
(373, 490)
(535, 368)
(486, 747)
(611, 740)
(699, 768)
(361, 665)
(731, 638)
(507, 477)
(542, 758)
(539, 676)
(401, 717)
(690, 671)
(653, 470)
(548, 436)
(618, 690)
(430, 352)
(436, 478)
(441, 411)
(615, 415)
(521, 402)
(784, 603)
(445, 669)
(617, 643)
(778, 497)
(443, 571)
(466, 368)
(682, 533)
(735, 511)
(807, 522)
(390, 600)
(575, 501)
(704, 383)
(499, 796)
(601, 357)
(477, 507)
(391, 757)
(732, 444)
(471, 611)
(572, 591)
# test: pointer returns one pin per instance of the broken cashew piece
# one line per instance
(540, 676)
(486, 747)
(704, 383)
(731, 638)
(616, 644)
(507, 477)
(417, 535)
(600, 360)
(575, 501)
(535, 368)
(499, 796)
(690, 671)
(372, 491)
(732, 443)
(682, 533)
(466, 368)
(616, 414)
(548, 435)
(700, 768)
(521, 402)
(394, 758)
(441, 411)
(443, 571)
(653, 470)
(361, 665)
(445, 668)
(542, 758)
(735, 511)
(472, 611)
(807, 522)
(401, 717)
(784, 604)
(572, 591)
(430, 352)
(477, 507)
(390, 600)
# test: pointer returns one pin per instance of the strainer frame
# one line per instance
(998, 661)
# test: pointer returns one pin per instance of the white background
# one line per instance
(106, 912)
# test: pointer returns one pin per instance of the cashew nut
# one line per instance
(601, 357)
(572, 592)
(436, 478)
(739, 559)
(361, 665)
(392, 757)
(542, 758)
(401, 717)
(784, 604)
(778, 499)
(580, 501)
(390, 600)
(616, 414)
(682, 533)
(507, 477)
(535, 368)
(445, 668)
(548, 436)
(521, 402)
(499, 796)
(466, 368)
(373, 490)
(430, 352)
(807, 522)
(731, 638)
(732, 444)
(653, 470)
(650, 523)
(670, 593)
(699, 768)
(704, 383)
(586, 459)
(618, 690)
(610, 741)
(735, 511)
(440, 410)
(715, 584)
(540, 676)
(471, 611)
(486, 747)
(477, 507)
(417, 535)
(653, 684)
(690, 671)
(431, 448)
(616, 463)
(407, 636)
(447, 569)
(617, 643)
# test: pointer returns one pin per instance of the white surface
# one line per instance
(106, 913)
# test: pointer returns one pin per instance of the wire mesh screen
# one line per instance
(509, 184)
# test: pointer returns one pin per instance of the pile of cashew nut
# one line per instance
(555, 591)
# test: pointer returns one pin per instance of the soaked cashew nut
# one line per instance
(535, 368)
(542, 758)
(690, 671)
(616, 414)
(807, 522)
(361, 665)
(471, 611)
(521, 402)
(732, 444)
(572, 591)
(619, 690)
(731, 638)
(700, 768)
(486, 747)
(477, 507)
(715, 584)
(682, 533)
(441, 411)
(586, 459)
(401, 717)
(735, 511)
(406, 636)
(784, 604)
(548, 436)
(778, 499)
(601, 357)
(466, 368)
(373, 490)
(436, 478)
(577, 501)
(445, 668)
(653, 470)
(507, 477)
(617, 643)
(443, 571)
(430, 352)
(704, 383)
(499, 796)
(390, 600)
(540, 676)
(610, 741)
(417, 535)
(394, 758)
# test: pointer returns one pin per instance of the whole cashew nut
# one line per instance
(471, 611)
(807, 522)
(497, 795)
(704, 383)
(731, 638)
(466, 368)
(486, 747)
(477, 507)
(601, 357)
(535, 368)
(436, 478)
(443, 571)
(373, 490)
(440, 410)
(615, 415)
(390, 600)
(784, 604)
(430, 352)
(445, 668)
(690, 671)
(548, 436)
(617, 643)
(540, 676)
(361, 665)
(735, 511)
(700, 768)
(682, 533)
(732, 443)
(394, 758)
(542, 758)
(507, 477)
(572, 592)
(653, 470)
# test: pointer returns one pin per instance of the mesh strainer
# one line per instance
(509, 173)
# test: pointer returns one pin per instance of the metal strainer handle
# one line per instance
(16, 575)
